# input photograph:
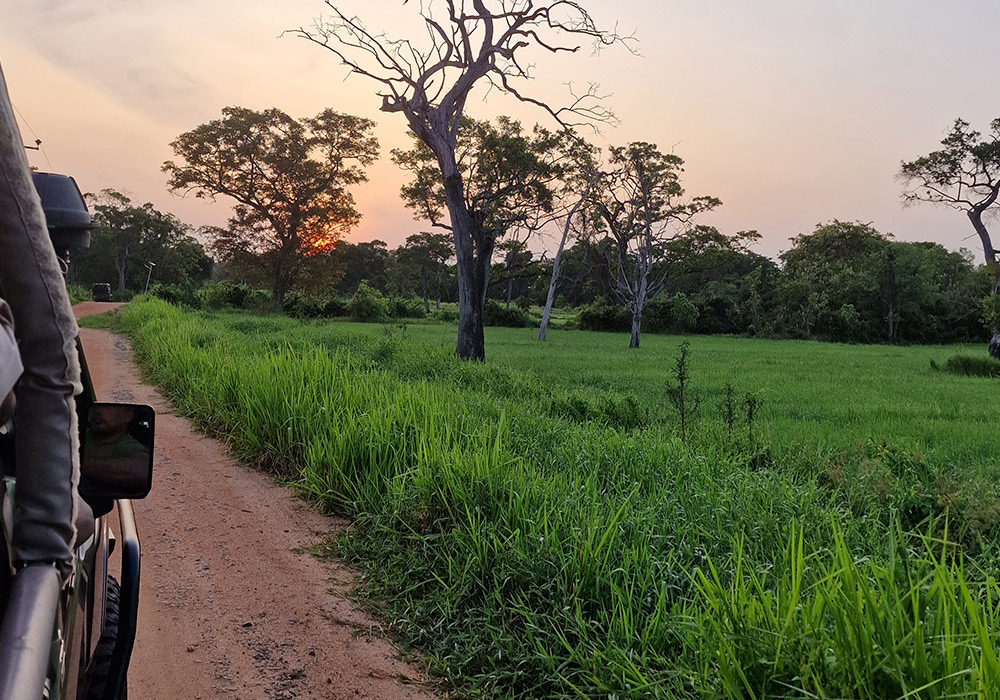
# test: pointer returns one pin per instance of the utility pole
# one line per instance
(149, 266)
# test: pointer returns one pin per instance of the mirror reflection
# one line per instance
(117, 456)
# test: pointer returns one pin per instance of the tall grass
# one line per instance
(533, 554)
(825, 624)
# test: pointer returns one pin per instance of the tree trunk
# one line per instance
(510, 284)
(976, 217)
(633, 341)
(471, 343)
(440, 275)
(423, 274)
(547, 311)
(550, 298)
(994, 345)
(120, 264)
(640, 302)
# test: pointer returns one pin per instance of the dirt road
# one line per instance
(231, 605)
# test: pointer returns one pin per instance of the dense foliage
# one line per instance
(290, 180)
(129, 239)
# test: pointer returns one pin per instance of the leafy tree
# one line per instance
(424, 254)
(707, 267)
(641, 203)
(361, 262)
(586, 267)
(928, 294)
(828, 269)
(516, 257)
(484, 43)
(509, 179)
(289, 179)
(128, 236)
(965, 175)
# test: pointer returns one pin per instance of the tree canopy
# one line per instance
(128, 236)
(290, 180)
(964, 174)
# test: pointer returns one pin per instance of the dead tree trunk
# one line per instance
(550, 298)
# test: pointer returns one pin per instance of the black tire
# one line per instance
(100, 663)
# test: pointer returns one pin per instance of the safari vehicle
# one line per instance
(100, 291)
(85, 655)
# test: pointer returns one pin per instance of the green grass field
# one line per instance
(537, 527)
(824, 395)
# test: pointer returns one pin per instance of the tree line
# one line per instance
(632, 252)
(842, 282)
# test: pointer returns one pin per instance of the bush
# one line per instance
(77, 293)
(601, 316)
(368, 305)
(406, 307)
(299, 305)
(222, 295)
(177, 294)
(676, 314)
(446, 315)
(496, 314)
(523, 303)
(334, 307)
(260, 301)
(971, 366)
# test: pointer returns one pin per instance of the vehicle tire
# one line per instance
(100, 663)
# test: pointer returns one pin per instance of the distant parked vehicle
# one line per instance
(101, 292)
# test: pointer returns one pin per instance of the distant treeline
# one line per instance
(842, 282)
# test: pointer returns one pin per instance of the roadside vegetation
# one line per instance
(540, 528)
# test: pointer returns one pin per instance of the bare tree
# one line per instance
(641, 203)
(477, 42)
(964, 175)
(586, 174)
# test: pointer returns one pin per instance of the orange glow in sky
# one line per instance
(793, 113)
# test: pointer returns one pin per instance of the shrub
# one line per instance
(368, 304)
(177, 294)
(77, 293)
(406, 307)
(601, 316)
(496, 314)
(300, 305)
(260, 301)
(523, 303)
(222, 295)
(446, 315)
(334, 307)
(676, 314)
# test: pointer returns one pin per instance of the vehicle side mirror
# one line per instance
(116, 455)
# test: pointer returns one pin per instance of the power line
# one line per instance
(38, 141)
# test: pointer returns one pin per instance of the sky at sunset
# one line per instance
(793, 112)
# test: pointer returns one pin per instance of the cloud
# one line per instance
(118, 46)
